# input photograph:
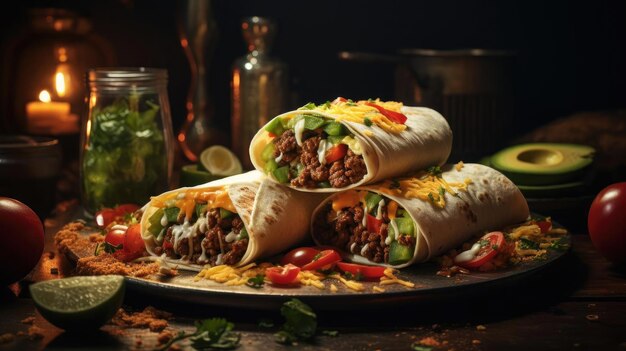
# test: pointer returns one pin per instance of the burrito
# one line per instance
(407, 220)
(232, 221)
(344, 144)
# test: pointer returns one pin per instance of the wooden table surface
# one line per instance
(578, 303)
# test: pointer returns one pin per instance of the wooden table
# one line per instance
(579, 303)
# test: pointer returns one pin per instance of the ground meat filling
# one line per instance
(345, 230)
(213, 241)
(341, 173)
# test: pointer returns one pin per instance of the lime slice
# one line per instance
(220, 160)
(191, 175)
(79, 303)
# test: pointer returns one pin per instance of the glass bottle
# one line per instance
(127, 148)
(198, 34)
(258, 86)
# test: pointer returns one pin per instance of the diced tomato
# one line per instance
(285, 275)
(394, 116)
(105, 216)
(325, 260)
(124, 209)
(272, 135)
(338, 100)
(365, 272)
(337, 152)
(373, 224)
(492, 244)
(167, 245)
(299, 256)
(545, 225)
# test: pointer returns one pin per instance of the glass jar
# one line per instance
(127, 144)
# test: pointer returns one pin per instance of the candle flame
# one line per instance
(60, 83)
(44, 96)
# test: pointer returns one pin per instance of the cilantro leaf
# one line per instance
(215, 333)
(256, 282)
(434, 171)
(300, 322)
(559, 245)
(526, 244)
(442, 191)
(431, 197)
(367, 121)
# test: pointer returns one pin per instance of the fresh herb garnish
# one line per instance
(300, 322)
(358, 276)
(559, 245)
(266, 323)
(442, 191)
(367, 121)
(107, 247)
(326, 105)
(256, 282)
(308, 106)
(483, 242)
(419, 347)
(214, 333)
(395, 184)
(317, 257)
(434, 171)
(526, 244)
(431, 197)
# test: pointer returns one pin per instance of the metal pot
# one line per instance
(472, 88)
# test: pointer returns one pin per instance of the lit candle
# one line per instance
(45, 114)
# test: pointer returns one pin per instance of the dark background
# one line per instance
(570, 56)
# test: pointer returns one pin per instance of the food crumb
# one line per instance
(150, 317)
(34, 332)
(481, 327)
(28, 320)
(592, 317)
(429, 341)
(6, 338)
(164, 336)
(20, 333)
(476, 342)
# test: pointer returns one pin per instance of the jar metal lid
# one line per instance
(125, 74)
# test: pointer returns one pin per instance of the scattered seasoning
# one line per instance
(6, 338)
(29, 320)
(330, 332)
(429, 341)
(481, 327)
(20, 333)
(164, 337)
(150, 317)
(592, 317)
(34, 332)
(476, 342)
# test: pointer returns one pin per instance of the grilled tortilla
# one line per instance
(408, 220)
(233, 221)
(342, 145)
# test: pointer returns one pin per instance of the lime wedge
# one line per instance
(220, 160)
(79, 303)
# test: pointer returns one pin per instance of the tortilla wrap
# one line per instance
(490, 202)
(426, 141)
(274, 216)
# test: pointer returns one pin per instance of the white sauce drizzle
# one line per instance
(219, 260)
(298, 129)
(119, 227)
(321, 150)
(164, 220)
(390, 234)
(379, 212)
(203, 257)
(352, 247)
(279, 158)
(363, 250)
(230, 237)
(468, 255)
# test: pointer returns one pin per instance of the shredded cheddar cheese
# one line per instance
(229, 275)
(311, 278)
(358, 112)
(351, 284)
(390, 278)
(459, 166)
(188, 198)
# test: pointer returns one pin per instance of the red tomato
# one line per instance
(116, 235)
(366, 272)
(337, 152)
(324, 260)
(22, 235)
(133, 243)
(124, 209)
(338, 100)
(283, 275)
(300, 256)
(105, 216)
(373, 224)
(396, 117)
(545, 225)
(606, 222)
(494, 242)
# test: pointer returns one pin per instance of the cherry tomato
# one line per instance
(22, 235)
(366, 272)
(105, 216)
(283, 275)
(124, 209)
(545, 225)
(394, 116)
(492, 244)
(337, 152)
(606, 222)
(323, 261)
(373, 224)
(133, 242)
(116, 235)
(299, 256)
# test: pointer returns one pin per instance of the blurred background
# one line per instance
(565, 60)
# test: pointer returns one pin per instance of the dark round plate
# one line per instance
(184, 288)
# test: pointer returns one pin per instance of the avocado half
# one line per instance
(543, 163)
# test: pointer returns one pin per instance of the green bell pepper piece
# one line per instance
(268, 152)
(275, 127)
(399, 253)
(371, 201)
(172, 214)
(335, 129)
(281, 174)
(335, 139)
(224, 213)
(270, 166)
(155, 222)
(313, 122)
(405, 226)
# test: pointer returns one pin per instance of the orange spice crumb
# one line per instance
(430, 341)
(34, 332)
(150, 317)
(107, 264)
(28, 320)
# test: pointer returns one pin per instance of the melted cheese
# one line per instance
(187, 199)
(358, 112)
(349, 198)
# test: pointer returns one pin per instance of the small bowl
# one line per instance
(29, 169)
